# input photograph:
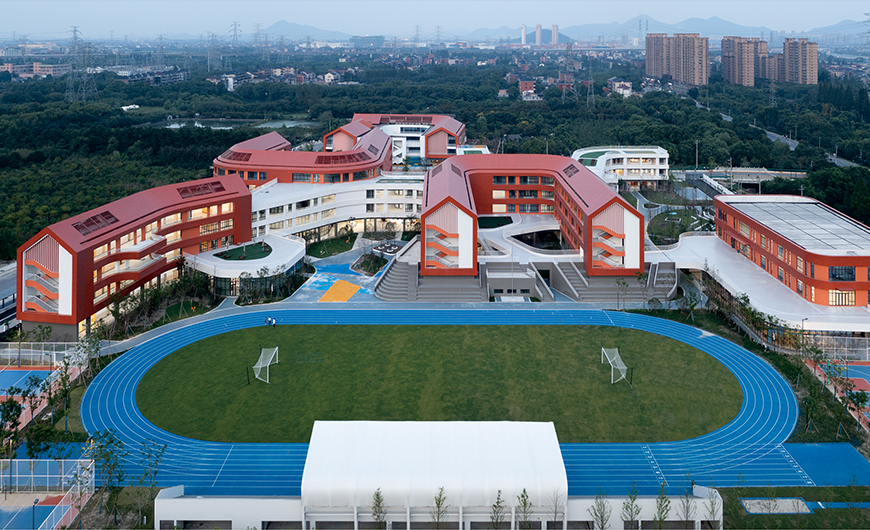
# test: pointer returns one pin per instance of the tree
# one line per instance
(108, 454)
(525, 511)
(379, 510)
(496, 514)
(622, 288)
(686, 508)
(690, 301)
(663, 508)
(600, 511)
(556, 506)
(10, 414)
(631, 510)
(714, 505)
(438, 513)
(642, 278)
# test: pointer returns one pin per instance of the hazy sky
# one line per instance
(52, 19)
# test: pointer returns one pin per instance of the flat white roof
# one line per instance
(766, 293)
(285, 251)
(409, 461)
(807, 223)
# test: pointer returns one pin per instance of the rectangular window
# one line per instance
(203, 247)
(170, 220)
(528, 181)
(763, 241)
(252, 175)
(262, 230)
(173, 237)
(525, 291)
(329, 199)
(498, 194)
(262, 175)
(812, 294)
(763, 263)
(262, 215)
(841, 298)
(744, 229)
(419, 194)
(275, 210)
(546, 208)
(800, 287)
(370, 194)
(227, 224)
(779, 273)
(301, 220)
(779, 251)
(528, 208)
(276, 225)
(512, 208)
(499, 208)
(546, 194)
(302, 205)
(841, 274)
(409, 208)
(210, 228)
(511, 180)
(360, 175)
(221, 171)
(547, 181)
(497, 291)
(301, 177)
(528, 194)
(326, 214)
(370, 208)
(812, 270)
(800, 264)
(512, 194)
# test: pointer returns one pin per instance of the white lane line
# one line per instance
(222, 465)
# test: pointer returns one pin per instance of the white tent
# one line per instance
(410, 461)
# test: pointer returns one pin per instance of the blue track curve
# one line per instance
(749, 448)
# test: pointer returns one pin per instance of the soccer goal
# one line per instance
(618, 370)
(268, 357)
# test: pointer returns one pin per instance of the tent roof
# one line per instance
(409, 461)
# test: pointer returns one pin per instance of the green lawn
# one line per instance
(736, 517)
(439, 373)
(632, 200)
(331, 247)
(250, 252)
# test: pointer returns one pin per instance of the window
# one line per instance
(763, 240)
(547, 194)
(511, 180)
(528, 208)
(841, 274)
(221, 171)
(227, 207)
(262, 230)
(301, 177)
(276, 210)
(499, 208)
(361, 175)
(203, 247)
(779, 273)
(812, 294)
(744, 229)
(528, 194)
(276, 225)
(800, 287)
(210, 228)
(512, 208)
(173, 237)
(329, 199)
(547, 181)
(262, 175)
(170, 220)
(525, 291)
(197, 214)
(546, 208)
(512, 194)
(528, 181)
(409, 208)
(227, 224)
(497, 291)
(841, 298)
(779, 251)
(419, 194)
(370, 208)
(800, 264)
(498, 194)
(326, 214)
(302, 219)
(812, 270)
(763, 263)
(262, 215)
(329, 178)
(370, 194)
(302, 205)
(409, 194)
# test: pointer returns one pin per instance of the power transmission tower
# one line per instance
(569, 88)
(772, 101)
(257, 28)
(438, 34)
(308, 42)
(264, 56)
(80, 84)
(235, 30)
(417, 34)
(159, 59)
(214, 54)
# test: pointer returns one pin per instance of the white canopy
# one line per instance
(409, 461)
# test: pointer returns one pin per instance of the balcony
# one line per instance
(143, 247)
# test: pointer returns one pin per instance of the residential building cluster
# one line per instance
(29, 70)
(289, 75)
(685, 57)
(745, 59)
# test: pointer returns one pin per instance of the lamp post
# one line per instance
(34, 513)
(802, 335)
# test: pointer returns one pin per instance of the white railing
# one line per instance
(45, 281)
(609, 243)
(696, 233)
(50, 307)
(607, 260)
(443, 243)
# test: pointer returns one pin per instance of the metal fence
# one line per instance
(37, 353)
(32, 476)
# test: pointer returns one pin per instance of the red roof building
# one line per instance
(69, 271)
(592, 217)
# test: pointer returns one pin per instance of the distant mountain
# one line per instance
(848, 27)
(714, 28)
(294, 31)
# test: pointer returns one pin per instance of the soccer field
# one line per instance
(207, 390)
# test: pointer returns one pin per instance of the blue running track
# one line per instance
(749, 448)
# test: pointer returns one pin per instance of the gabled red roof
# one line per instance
(436, 121)
(116, 218)
(447, 180)
(268, 142)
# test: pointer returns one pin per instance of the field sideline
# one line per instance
(439, 373)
